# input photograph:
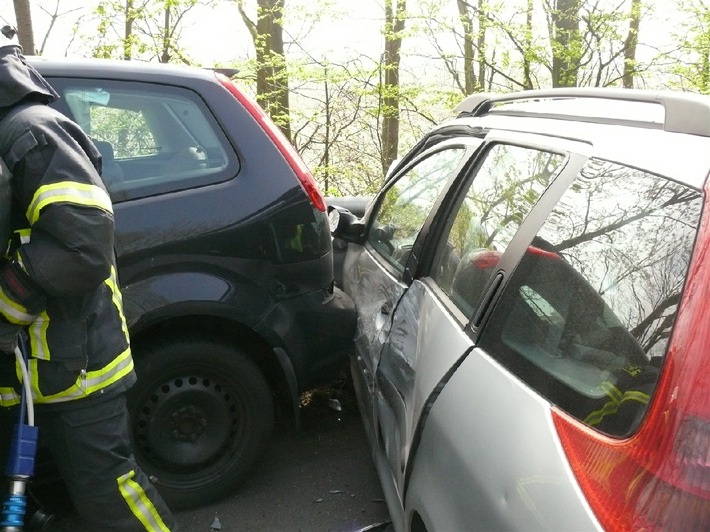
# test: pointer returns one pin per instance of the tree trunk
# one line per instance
(25, 34)
(389, 98)
(272, 74)
(704, 75)
(527, 64)
(165, 54)
(566, 43)
(482, 27)
(631, 44)
(128, 31)
(468, 53)
(272, 91)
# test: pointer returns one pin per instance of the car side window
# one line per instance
(586, 316)
(407, 204)
(503, 191)
(152, 138)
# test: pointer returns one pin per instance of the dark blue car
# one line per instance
(225, 259)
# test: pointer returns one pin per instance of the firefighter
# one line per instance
(58, 285)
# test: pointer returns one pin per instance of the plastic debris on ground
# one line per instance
(335, 405)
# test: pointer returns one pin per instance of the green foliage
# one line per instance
(333, 120)
(126, 131)
(140, 29)
(692, 59)
(338, 94)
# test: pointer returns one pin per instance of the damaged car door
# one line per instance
(433, 324)
(377, 273)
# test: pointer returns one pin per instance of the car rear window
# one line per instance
(153, 138)
(586, 316)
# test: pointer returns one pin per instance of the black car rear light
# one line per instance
(299, 167)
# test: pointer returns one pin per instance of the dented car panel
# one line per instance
(412, 365)
(378, 292)
(504, 481)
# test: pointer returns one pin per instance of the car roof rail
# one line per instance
(684, 112)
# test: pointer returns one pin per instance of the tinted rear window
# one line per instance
(153, 138)
(586, 316)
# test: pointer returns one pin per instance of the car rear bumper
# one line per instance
(316, 331)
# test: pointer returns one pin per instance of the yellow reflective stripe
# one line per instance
(296, 243)
(596, 416)
(616, 399)
(112, 283)
(612, 391)
(634, 395)
(93, 381)
(24, 235)
(611, 407)
(140, 504)
(37, 333)
(8, 397)
(68, 192)
(20, 262)
(13, 312)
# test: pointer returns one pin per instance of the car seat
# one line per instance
(111, 172)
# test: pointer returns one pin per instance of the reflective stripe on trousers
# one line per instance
(140, 504)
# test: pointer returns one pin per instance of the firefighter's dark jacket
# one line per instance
(58, 279)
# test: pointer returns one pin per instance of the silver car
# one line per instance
(532, 286)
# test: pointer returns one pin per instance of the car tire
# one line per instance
(201, 412)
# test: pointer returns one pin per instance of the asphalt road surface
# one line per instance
(320, 478)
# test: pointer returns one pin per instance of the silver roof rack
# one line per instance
(684, 112)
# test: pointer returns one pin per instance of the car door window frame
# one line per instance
(411, 367)
(469, 147)
(576, 153)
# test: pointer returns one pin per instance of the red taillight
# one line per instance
(285, 147)
(658, 479)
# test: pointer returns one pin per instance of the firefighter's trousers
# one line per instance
(89, 443)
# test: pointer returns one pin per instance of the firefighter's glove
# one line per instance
(9, 335)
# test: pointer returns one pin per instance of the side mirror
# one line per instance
(343, 223)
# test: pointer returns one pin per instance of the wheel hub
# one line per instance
(188, 423)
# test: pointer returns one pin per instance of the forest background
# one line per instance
(354, 84)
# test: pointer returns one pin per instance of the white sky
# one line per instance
(218, 35)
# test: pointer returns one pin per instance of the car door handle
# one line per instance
(386, 308)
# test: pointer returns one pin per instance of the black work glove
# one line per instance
(9, 333)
